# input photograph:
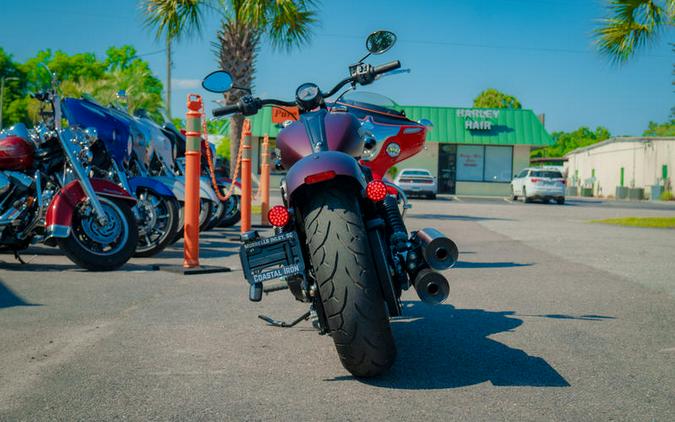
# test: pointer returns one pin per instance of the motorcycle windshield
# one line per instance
(381, 108)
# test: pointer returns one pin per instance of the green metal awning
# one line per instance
(458, 125)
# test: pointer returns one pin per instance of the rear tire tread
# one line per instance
(334, 228)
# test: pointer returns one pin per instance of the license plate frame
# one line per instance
(269, 258)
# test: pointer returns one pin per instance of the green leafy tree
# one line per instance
(569, 141)
(223, 148)
(285, 24)
(14, 109)
(663, 129)
(631, 25)
(492, 98)
(171, 20)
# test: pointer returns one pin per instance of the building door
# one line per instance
(447, 168)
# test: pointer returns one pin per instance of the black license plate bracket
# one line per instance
(269, 258)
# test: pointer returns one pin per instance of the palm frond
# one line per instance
(174, 19)
(287, 23)
(632, 25)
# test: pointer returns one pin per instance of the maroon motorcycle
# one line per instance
(340, 243)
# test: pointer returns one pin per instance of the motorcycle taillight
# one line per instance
(376, 190)
(278, 216)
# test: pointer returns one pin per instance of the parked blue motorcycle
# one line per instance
(158, 210)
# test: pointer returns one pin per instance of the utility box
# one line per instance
(587, 192)
(655, 192)
(572, 191)
(636, 193)
(621, 192)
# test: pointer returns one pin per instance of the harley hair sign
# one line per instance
(478, 119)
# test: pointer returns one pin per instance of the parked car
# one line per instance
(538, 183)
(417, 182)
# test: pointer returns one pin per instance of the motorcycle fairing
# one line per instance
(150, 183)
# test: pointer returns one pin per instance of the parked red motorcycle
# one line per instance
(47, 196)
(340, 243)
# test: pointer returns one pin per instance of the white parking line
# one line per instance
(508, 200)
(454, 197)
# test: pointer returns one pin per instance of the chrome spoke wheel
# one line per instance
(100, 239)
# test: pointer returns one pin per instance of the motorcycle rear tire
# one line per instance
(348, 285)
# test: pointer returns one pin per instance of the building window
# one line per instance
(498, 164)
(478, 163)
(470, 160)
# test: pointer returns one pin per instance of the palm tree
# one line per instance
(245, 23)
(171, 20)
(631, 25)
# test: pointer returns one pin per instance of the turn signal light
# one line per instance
(376, 190)
(278, 216)
(320, 177)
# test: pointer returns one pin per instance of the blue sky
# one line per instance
(538, 50)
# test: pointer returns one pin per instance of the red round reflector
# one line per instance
(278, 216)
(376, 190)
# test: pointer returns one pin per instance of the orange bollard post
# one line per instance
(193, 155)
(265, 181)
(246, 177)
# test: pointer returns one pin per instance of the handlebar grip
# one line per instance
(384, 68)
(224, 111)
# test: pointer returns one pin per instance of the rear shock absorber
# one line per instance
(397, 230)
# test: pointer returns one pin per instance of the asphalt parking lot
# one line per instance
(550, 317)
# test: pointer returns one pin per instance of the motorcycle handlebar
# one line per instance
(242, 108)
(384, 68)
(224, 111)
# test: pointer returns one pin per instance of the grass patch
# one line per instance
(652, 222)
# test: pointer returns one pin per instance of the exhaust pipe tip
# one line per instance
(431, 287)
(439, 252)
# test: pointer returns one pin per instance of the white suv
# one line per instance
(538, 183)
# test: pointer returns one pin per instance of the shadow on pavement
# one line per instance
(455, 217)
(8, 298)
(446, 347)
(36, 266)
(466, 264)
(176, 252)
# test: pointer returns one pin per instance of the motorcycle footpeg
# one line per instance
(264, 259)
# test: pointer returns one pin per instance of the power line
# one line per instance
(490, 46)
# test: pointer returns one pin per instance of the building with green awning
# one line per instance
(472, 151)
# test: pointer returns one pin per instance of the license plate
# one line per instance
(269, 258)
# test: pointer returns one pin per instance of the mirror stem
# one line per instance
(364, 57)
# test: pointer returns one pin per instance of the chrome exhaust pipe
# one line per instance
(431, 287)
(439, 252)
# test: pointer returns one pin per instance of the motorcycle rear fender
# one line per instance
(150, 183)
(206, 190)
(342, 164)
(62, 207)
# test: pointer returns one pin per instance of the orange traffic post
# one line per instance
(265, 181)
(246, 177)
(193, 155)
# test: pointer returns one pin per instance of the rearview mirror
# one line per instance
(219, 81)
(380, 41)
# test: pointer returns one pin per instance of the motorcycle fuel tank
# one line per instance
(16, 153)
(319, 131)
